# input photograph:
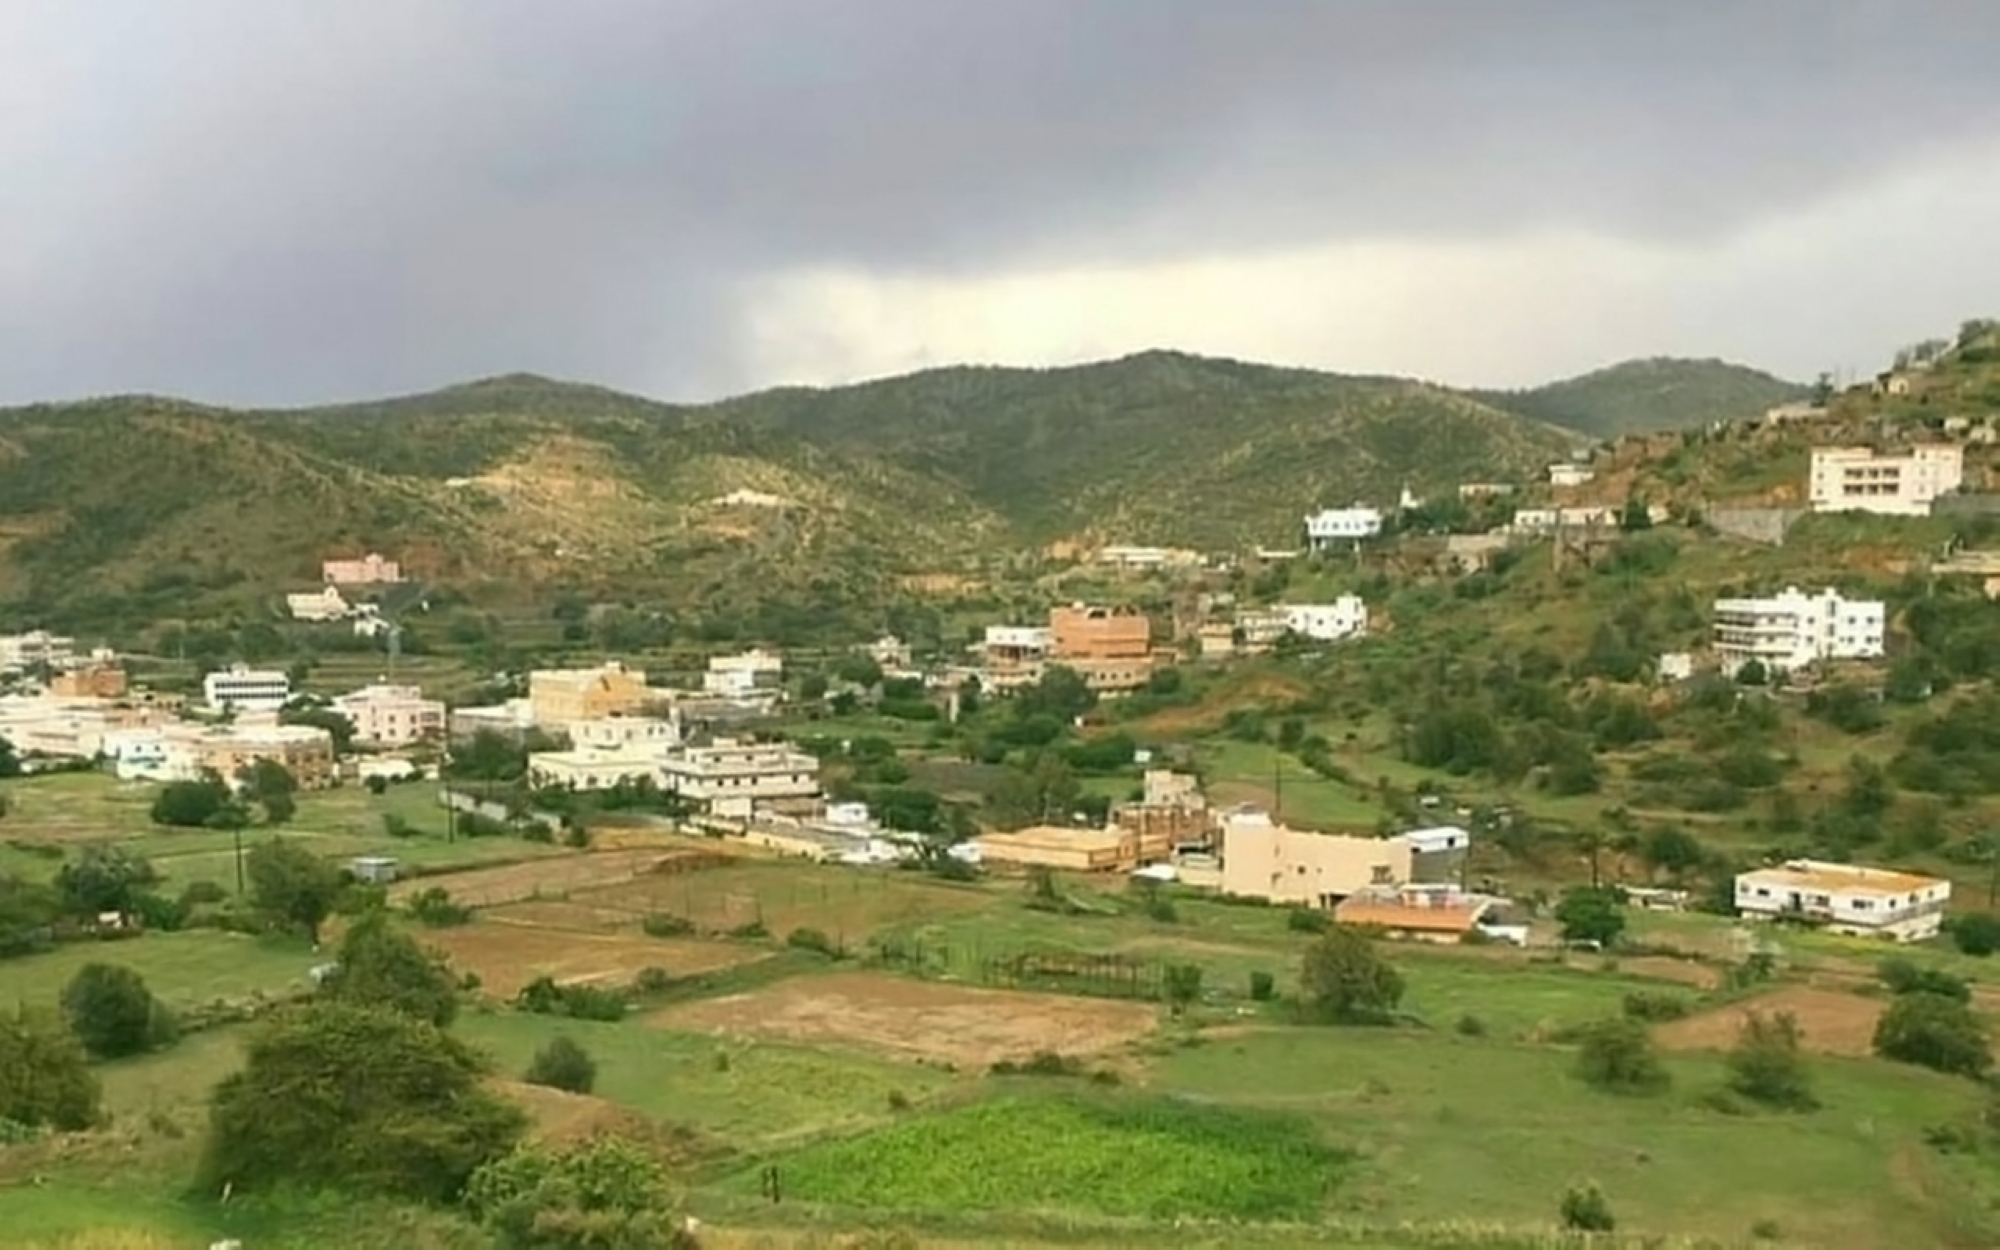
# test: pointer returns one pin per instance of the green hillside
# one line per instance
(1643, 395)
(143, 507)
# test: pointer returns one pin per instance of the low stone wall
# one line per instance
(1757, 525)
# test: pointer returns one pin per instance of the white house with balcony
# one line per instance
(241, 689)
(1332, 527)
(1345, 617)
(392, 716)
(19, 652)
(1793, 630)
(618, 733)
(738, 676)
(1861, 479)
(1847, 898)
(733, 777)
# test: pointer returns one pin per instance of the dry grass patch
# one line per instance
(917, 1019)
(1831, 1022)
(490, 887)
(846, 904)
(508, 956)
(1666, 968)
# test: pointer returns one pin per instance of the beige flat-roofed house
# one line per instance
(1074, 850)
(1264, 859)
(740, 774)
(370, 570)
(392, 716)
(305, 750)
(1847, 898)
(561, 696)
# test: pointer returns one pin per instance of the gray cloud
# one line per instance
(257, 202)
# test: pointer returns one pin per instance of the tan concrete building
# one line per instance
(1172, 812)
(93, 681)
(305, 751)
(1112, 650)
(561, 696)
(369, 570)
(1074, 850)
(392, 715)
(1263, 859)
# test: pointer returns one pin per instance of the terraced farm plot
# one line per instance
(507, 883)
(916, 1019)
(508, 956)
(847, 904)
(1832, 1022)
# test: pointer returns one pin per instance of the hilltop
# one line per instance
(141, 507)
(1639, 396)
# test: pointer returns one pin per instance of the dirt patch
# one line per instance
(557, 914)
(507, 883)
(846, 904)
(1667, 968)
(560, 1116)
(1831, 1023)
(508, 956)
(917, 1019)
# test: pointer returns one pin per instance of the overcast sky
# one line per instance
(276, 201)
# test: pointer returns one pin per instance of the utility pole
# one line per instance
(1278, 788)
(239, 861)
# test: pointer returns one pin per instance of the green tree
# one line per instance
(381, 966)
(563, 1064)
(10, 760)
(490, 756)
(28, 912)
(1345, 979)
(1672, 849)
(604, 1194)
(1591, 915)
(192, 804)
(1586, 1210)
(1976, 933)
(104, 877)
(1061, 692)
(45, 1078)
(1636, 515)
(1767, 1064)
(274, 788)
(113, 1013)
(292, 885)
(338, 1096)
(1183, 986)
(1934, 1031)
(1617, 1054)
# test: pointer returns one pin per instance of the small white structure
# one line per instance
(1330, 527)
(595, 770)
(848, 815)
(1345, 617)
(1847, 898)
(736, 676)
(1569, 473)
(1436, 840)
(150, 755)
(241, 689)
(1793, 629)
(1675, 666)
(388, 768)
(375, 869)
(1860, 479)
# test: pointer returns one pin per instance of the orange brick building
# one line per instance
(1110, 648)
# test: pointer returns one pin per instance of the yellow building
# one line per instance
(560, 696)
(1263, 859)
(1075, 850)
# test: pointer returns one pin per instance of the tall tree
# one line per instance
(384, 967)
(292, 885)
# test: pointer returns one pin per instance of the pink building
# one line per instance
(392, 715)
(369, 570)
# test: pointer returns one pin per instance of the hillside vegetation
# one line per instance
(140, 507)
(1638, 396)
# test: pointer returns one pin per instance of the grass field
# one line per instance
(842, 903)
(1105, 1154)
(184, 969)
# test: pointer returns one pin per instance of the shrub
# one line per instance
(1262, 987)
(812, 940)
(203, 894)
(1591, 915)
(1471, 1026)
(1306, 920)
(1903, 976)
(1160, 908)
(751, 931)
(1345, 979)
(1041, 1063)
(1767, 1066)
(1933, 1031)
(562, 1064)
(113, 1013)
(45, 1077)
(579, 1002)
(595, 1195)
(664, 924)
(434, 908)
(652, 980)
(1617, 1055)
(1586, 1209)
(1976, 933)
(1654, 1005)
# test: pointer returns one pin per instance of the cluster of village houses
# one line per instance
(618, 728)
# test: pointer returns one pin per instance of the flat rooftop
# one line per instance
(1054, 838)
(1809, 874)
(1390, 913)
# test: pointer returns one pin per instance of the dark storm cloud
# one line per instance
(266, 201)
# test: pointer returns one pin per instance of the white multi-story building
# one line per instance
(19, 652)
(618, 733)
(735, 676)
(732, 776)
(1864, 902)
(589, 769)
(392, 715)
(1331, 527)
(1859, 479)
(1014, 655)
(1345, 617)
(241, 689)
(1794, 629)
